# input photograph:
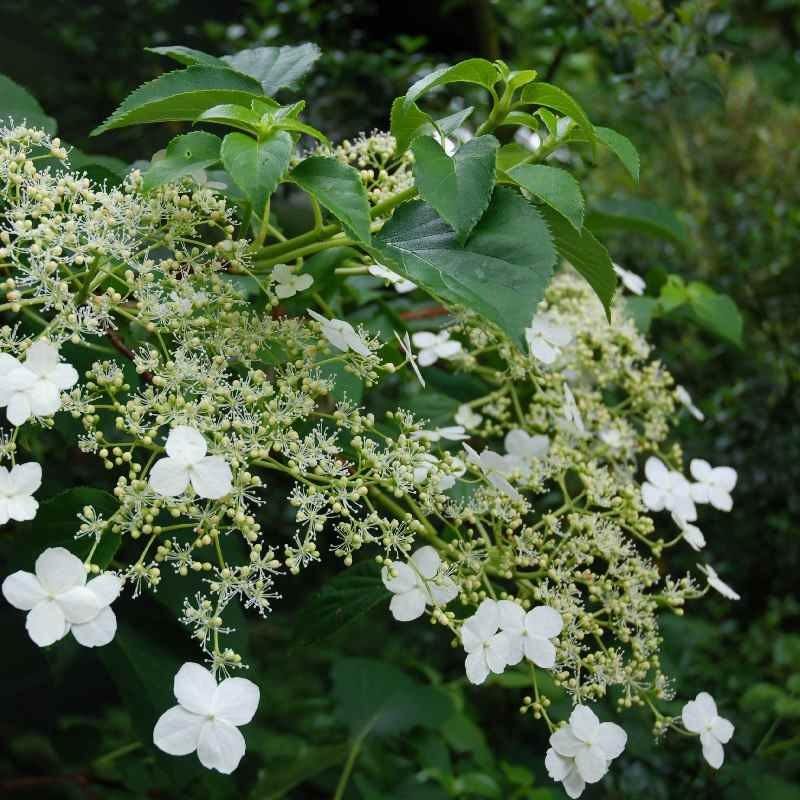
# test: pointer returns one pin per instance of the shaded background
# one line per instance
(708, 92)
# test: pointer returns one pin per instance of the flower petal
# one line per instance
(236, 701)
(611, 739)
(584, 723)
(58, 570)
(409, 605)
(22, 508)
(720, 499)
(426, 561)
(725, 478)
(194, 687)
(404, 580)
(46, 623)
(78, 605)
(211, 477)
(700, 469)
(543, 621)
(591, 763)
(511, 616)
(476, 667)
(565, 742)
(712, 749)
(574, 784)
(105, 588)
(186, 444)
(18, 410)
(497, 652)
(424, 339)
(99, 631)
(656, 472)
(169, 477)
(722, 729)
(556, 765)
(63, 376)
(177, 731)
(44, 398)
(221, 746)
(443, 591)
(652, 497)
(26, 478)
(23, 590)
(41, 357)
(540, 651)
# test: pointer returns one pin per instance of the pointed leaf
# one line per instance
(501, 273)
(458, 187)
(716, 312)
(181, 95)
(623, 149)
(233, 116)
(474, 70)
(192, 151)
(18, 104)
(407, 122)
(339, 189)
(296, 126)
(275, 67)
(545, 94)
(187, 56)
(553, 186)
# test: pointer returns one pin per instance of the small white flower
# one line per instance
(582, 751)
(288, 283)
(487, 649)
(16, 492)
(714, 484)
(494, 467)
(546, 338)
(417, 584)
(700, 716)
(467, 417)
(691, 533)
(452, 433)
(685, 399)
(401, 284)
(102, 628)
(530, 633)
(716, 583)
(433, 346)
(523, 449)
(207, 718)
(411, 359)
(33, 388)
(666, 489)
(341, 334)
(630, 280)
(571, 412)
(187, 463)
(610, 437)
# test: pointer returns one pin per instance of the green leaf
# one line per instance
(545, 94)
(623, 149)
(257, 166)
(296, 126)
(716, 312)
(275, 67)
(233, 116)
(477, 71)
(453, 121)
(305, 763)
(408, 121)
(511, 154)
(640, 216)
(187, 56)
(459, 188)
(181, 95)
(501, 273)
(553, 186)
(586, 254)
(20, 105)
(339, 189)
(344, 600)
(192, 151)
(373, 696)
(642, 310)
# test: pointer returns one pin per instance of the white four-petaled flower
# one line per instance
(487, 647)
(692, 535)
(16, 492)
(341, 334)
(451, 433)
(582, 751)
(546, 338)
(716, 583)
(523, 449)
(401, 285)
(417, 584)
(666, 489)
(433, 346)
(714, 484)
(530, 634)
(207, 718)
(700, 716)
(468, 418)
(494, 468)
(33, 388)
(186, 463)
(288, 282)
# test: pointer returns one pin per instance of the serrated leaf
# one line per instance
(622, 147)
(716, 312)
(233, 116)
(477, 71)
(257, 166)
(511, 154)
(192, 151)
(339, 189)
(409, 121)
(276, 67)
(545, 94)
(501, 272)
(187, 55)
(458, 187)
(640, 216)
(553, 186)
(19, 104)
(586, 254)
(182, 95)
(296, 126)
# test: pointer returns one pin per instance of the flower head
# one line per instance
(288, 282)
(417, 584)
(16, 492)
(341, 334)
(546, 338)
(714, 484)
(700, 716)
(530, 633)
(666, 489)
(487, 647)
(433, 346)
(207, 718)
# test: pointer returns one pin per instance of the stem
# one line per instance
(83, 293)
(381, 209)
(264, 227)
(292, 255)
(355, 749)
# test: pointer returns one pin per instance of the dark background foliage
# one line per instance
(708, 92)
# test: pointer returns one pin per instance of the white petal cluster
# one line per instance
(417, 584)
(714, 484)
(666, 489)
(59, 600)
(488, 648)
(33, 388)
(546, 338)
(582, 751)
(530, 633)
(494, 468)
(288, 282)
(523, 449)
(16, 491)
(207, 718)
(692, 535)
(433, 346)
(700, 716)
(341, 334)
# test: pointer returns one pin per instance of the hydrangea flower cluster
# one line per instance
(528, 529)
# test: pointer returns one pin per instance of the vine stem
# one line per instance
(352, 755)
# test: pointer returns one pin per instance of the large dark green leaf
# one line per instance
(182, 95)
(639, 216)
(185, 154)
(257, 166)
(21, 106)
(553, 186)
(474, 70)
(339, 189)
(502, 271)
(458, 187)
(276, 67)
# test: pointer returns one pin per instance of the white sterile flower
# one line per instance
(288, 283)
(582, 751)
(207, 718)
(187, 463)
(433, 346)
(401, 284)
(467, 417)
(487, 647)
(716, 583)
(610, 437)
(423, 467)
(101, 629)
(16, 492)
(494, 467)
(714, 484)
(530, 633)
(685, 399)
(405, 346)
(630, 280)
(33, 388)
(452, 433)
(700, 716)
(571, 411)
(341, 334)
(55, 597)
(691, 533)
(449, 481)
(666, 489)
(417, 584)
(523, 449)
(546, 338)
